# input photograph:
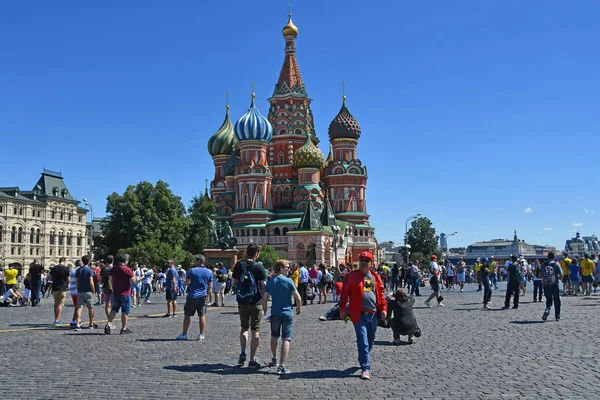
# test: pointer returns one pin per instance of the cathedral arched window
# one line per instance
(31, 235)
(262, 232)
(281, 157)
(276, 232)
(282, 132)
(20, 235)
(52, 237)
(61, 237)
(37, 236)
(285, 231)
(254, 232)
(298, 132)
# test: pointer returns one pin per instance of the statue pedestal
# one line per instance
(228, 256)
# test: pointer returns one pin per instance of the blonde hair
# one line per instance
(279, 264)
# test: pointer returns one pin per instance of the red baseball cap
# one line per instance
(434, 257)
(367, 255)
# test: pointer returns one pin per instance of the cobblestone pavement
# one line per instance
(464, 353)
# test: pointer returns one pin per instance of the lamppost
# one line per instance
(447, 246)
(87, 203)
(335, 230)
(406, 245)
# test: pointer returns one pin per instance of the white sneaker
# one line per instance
(200, 337)
(183, 336)
(441, 305)
(428, 304)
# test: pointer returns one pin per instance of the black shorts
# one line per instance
(193, 305)
(435, 285)
(171, 295)
(566, 279)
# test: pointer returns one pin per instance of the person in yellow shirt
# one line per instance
(295, 275)
(10, 276)
(587, 273)
(477, 269)
(565, 263)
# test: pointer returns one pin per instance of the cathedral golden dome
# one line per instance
(290, 28)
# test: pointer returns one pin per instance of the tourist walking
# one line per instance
(364, 292)
(107, 291)
(552, 274)
(73, 290)
(512, 287)
(248, 279)
(60, 282)
(199, 281)
(415, 278)
(171, 289)
(538, 287)
(587, 274)
(147, 285)
(460, 274)
(121, 278)
(487, 290)
(85, 293)
(574, 276)
(434, 282)
(221, 275)
(303, 286)
(493, 268)
(324, 279)
(281, 289)
(35, 272)
(136, 288)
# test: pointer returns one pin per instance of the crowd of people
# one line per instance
(358, 293)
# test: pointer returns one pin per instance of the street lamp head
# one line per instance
(84, 199)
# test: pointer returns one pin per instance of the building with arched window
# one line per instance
(268, 169)
(39, 223)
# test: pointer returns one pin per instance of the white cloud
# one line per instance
(547, 229)
(573, 230)
(477, 233)
(585, 210)
(577, 224)
(528, 210)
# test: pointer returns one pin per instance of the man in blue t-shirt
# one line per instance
(199, 281)
(171, 289)
(84, 283)
(281, 289)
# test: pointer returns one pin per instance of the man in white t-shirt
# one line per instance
(147, 284)
(434, 281)
(11, 297)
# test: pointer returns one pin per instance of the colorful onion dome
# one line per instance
(253, 126)
(344, 126)
(308, 155)
(290, 28)
(223, 140)
(228, 168)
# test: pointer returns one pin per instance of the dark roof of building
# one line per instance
(310, 220)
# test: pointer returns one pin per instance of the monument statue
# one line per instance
(213, 237)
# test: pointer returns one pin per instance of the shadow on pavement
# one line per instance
(390, 343)
(160, 340)
(219, 369)
(85, 334)
(326, 373)
(526, 322)
(32, 325)
(586, 305)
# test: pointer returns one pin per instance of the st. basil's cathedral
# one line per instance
(274, 186)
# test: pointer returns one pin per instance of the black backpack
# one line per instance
(247, 288)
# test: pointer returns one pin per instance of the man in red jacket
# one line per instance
(364, 289)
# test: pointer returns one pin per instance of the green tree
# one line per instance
(144, 214)
(154, 252)
(200, 210)
(267, 256)
(422, 238)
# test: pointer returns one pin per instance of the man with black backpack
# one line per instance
(248, 278)
(551, 275)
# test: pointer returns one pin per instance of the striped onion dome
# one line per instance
(223, 141)
(253, 126)
(344, 126)
(308, 155)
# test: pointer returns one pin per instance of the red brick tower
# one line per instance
(291, 118)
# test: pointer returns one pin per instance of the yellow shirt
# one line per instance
(295, 276)
(10, 276)
(477, 267)
(385, 270)
(564, 264)
(587, 267)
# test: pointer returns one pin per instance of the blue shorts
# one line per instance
(122, 303)
(588, 279)
(281, 325)
(137, 287)
(575, 281)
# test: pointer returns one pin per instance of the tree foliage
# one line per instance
(144, 214)
(422, 238)
(156, 253)
(268, 256)
(200, 210)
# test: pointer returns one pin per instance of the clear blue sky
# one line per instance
(471, 111)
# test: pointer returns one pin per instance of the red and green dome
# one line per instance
(344, 126)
